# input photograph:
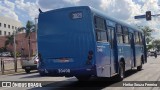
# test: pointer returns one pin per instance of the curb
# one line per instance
(8, 72)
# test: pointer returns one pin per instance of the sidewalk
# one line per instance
(9, 66)
(12, 71)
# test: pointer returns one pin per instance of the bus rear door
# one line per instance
(112, 58)
(131, 40)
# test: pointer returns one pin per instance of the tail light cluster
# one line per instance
(36, 59)
(90, 57)
(35, 62)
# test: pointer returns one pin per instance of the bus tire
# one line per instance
(41, 74)
(83, 78)
(27, 70)
(121, 74)
(139, 68)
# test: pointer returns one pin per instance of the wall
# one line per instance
(22, 42)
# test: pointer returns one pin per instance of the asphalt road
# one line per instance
(150, 72)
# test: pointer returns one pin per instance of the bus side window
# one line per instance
(130, 37)
(111, 35)
(98, 36)
(119, 34)
(125, 35)
(100, 29)
(140, 38)
(136, 36)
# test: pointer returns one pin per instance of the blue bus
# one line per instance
(84, 42)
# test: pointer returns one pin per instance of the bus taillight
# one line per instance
(90, 56)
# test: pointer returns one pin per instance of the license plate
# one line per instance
(28, 67)
(63, 60)
(64, 70)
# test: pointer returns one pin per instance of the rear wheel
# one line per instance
(139, 68)
(121, 74)
(83, 78)
(41, 74)
(27, 70)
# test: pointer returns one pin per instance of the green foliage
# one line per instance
(149, 47)
(3, 49)
(30, 27)
(148, 35)
(147, 32)
(10, 40)
(18, 54)
(156, 44)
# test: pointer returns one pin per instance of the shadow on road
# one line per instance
(131, 72)
(24, 73)
(31, 76)
(93, 83)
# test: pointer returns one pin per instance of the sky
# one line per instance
(125, 10)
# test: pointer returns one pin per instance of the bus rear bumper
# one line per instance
(67, 72)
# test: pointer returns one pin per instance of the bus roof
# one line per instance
(99, 13)
(113, 19)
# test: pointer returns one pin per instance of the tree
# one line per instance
(9, 41)
(10, 38)
(156, 44)
(2, 49)
(150, 46)
(30, 27)
(147, 32)
(148, 35)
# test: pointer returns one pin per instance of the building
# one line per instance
(22, 44)
(8, 25)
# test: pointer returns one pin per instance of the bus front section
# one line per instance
(66, 43)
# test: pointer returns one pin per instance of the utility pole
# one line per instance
(29, 47)
(36, 34)
(15, 57)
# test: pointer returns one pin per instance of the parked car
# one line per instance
(152, 53)
(158, 53)
(31, 64)
(148, 54)
(5, 54)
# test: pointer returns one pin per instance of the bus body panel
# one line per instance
(138, 53)
(124, 51)
(64, 42)
(103, 59)
(131, 40)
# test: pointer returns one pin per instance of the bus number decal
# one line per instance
(100, 48)
(77, 15)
